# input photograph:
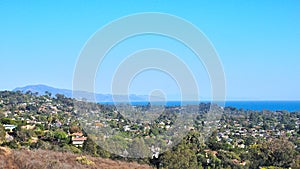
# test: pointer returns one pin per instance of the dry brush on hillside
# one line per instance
(45, 159)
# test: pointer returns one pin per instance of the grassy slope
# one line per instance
(44, 159)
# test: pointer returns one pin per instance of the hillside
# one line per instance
(37, 159)
(36, 126)
(42, 89)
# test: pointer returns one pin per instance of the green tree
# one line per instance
(213, 143)
(181, 158)
(22, 135)
(138, 148)
(276, 152)
(282, 152)
(61, 136)
(103, 153)
(2, 133)
(7, 121)
(296, 164)
(90, 147)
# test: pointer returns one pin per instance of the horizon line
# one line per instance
(200, 100)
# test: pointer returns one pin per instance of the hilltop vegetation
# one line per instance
(36, 126)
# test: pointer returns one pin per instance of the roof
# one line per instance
(79, 139)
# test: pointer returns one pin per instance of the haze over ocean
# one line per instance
(290, 106)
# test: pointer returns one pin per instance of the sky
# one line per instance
(257, 43)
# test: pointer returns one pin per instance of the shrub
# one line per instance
(83, 160)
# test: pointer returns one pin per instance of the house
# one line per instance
(78, 142)
(169, 142)
(34, 139)
(243, 163)
(241, 146)
(235, 161)
(77, 134)
(28, 127)
(191, 128)
(207, 151)
(126, 128)
(155, 151)
(9, 127)
(147, 128)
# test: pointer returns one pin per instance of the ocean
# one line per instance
(290, 106)
(266, 105)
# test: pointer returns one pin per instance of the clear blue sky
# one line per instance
(257, 41)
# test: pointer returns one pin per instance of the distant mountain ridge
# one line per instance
(42, 89)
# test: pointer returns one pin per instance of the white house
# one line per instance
(78, 141)
(9, 127)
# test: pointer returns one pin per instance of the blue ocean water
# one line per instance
(290, 106)
(266, 105)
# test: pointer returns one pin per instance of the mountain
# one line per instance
(42, 89)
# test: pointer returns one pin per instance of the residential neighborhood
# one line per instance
(234, 138)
